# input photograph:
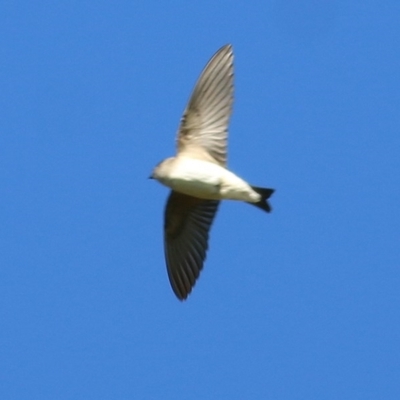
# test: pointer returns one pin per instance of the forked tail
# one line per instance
(265, 195)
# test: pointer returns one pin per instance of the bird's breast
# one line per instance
(196, 178)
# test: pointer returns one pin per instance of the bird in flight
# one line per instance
(198, 175)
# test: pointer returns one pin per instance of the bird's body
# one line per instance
(198, 175)
(207, 180)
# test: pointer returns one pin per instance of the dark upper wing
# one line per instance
(204, 126)
(186, 226)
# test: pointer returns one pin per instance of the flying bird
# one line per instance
(198, 175)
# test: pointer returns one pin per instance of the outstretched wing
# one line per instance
(186, 226)
(203, 129)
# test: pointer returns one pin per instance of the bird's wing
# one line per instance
(186, 226)
(203, 130)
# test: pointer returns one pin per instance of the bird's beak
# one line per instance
(151, 176)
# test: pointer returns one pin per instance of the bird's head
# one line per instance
(162, 170)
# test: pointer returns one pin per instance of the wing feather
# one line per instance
(186, 230)
(203, 130)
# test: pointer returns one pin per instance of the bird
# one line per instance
(198, 176)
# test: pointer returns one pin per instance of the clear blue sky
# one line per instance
(303, 303)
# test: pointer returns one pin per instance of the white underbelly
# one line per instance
(198, 189)
(206, 180)
(197, 178)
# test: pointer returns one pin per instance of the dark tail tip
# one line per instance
(265, 195)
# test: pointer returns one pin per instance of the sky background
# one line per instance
(303, 303)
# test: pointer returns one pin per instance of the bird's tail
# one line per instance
(265, 195)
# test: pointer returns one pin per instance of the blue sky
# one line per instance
(303, 303)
